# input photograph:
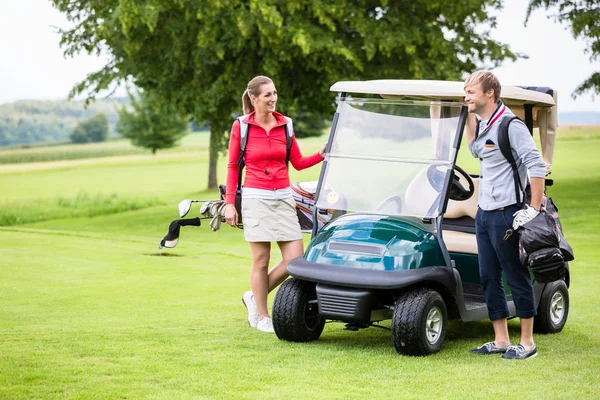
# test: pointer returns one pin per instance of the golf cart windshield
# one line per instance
(390, 157)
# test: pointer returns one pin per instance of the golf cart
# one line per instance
(401, 244)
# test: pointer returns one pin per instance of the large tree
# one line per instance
(199, 54)
(583, 18)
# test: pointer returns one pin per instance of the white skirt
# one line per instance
(270, 220)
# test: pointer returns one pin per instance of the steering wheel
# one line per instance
(393, 198)
(436, 177)
(457, 190)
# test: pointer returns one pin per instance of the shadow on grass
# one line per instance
(458, 334)
(163, 254)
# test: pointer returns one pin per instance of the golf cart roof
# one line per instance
(438, 90)
(541, 101)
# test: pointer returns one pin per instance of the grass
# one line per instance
(90, 308)
(81, 205)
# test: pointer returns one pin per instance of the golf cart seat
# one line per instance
(459, 241)
(466, 208)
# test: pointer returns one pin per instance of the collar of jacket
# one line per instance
(498, 112)
(280, 119)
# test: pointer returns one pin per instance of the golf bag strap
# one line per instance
(244, 127)
(504, 143)
(289, 136)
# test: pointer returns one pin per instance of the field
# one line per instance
(90, 308)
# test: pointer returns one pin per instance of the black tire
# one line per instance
(553, 310)
(419, 322)
(296, 313)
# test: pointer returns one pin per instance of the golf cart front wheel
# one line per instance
(419, 322)
(553, 309)
(296, 312)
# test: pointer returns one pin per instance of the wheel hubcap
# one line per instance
(557, 308)
(433, 325)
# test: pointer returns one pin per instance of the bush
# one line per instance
(94, 129)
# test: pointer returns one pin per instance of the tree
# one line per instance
(151, 124)
(583, 17)
(93, 129)
(199, 55)
(307, 123)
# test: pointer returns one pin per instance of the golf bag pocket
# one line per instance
(547, 265)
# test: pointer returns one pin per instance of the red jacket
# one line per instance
(264, 157)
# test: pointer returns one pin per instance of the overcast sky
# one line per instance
(32, 65)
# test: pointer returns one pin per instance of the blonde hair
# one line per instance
(253, 89)
(487, 80)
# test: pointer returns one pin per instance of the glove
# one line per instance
(524, 216)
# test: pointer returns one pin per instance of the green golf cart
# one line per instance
(401, 245)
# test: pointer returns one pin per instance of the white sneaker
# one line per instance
(248, 300)
(265, 325)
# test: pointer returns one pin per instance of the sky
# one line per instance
(32, 65)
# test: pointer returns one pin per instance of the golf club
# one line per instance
(185, 205)
(215, 223)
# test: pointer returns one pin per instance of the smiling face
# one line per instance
(478, 101)
(266, 101)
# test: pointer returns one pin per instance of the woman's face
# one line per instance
(265, 102)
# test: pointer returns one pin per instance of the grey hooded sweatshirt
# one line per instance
(496, 183)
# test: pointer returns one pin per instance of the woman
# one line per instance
(268, 208)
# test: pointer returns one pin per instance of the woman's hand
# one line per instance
(231, 215)
(322, 151)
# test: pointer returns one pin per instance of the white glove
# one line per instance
(524, 216)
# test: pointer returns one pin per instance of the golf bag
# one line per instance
(543, 247)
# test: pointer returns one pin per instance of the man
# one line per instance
(500, 214)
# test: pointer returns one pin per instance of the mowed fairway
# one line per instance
(90, 308)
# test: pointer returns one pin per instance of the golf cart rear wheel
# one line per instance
(296, 312)
(419, 322)
(553, 309)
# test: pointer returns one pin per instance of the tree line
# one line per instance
(29, 122)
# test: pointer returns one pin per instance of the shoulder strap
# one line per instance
(243, 142)
(504, 143)
(289, 135)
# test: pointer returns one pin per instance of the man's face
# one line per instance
(477, 101)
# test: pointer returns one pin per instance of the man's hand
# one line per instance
(524, 216)
(470, 127)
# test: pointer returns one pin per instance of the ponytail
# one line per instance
(247, 106)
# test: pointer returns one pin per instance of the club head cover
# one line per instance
(172, 237)
(190, 222)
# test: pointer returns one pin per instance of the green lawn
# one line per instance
(90, 308)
